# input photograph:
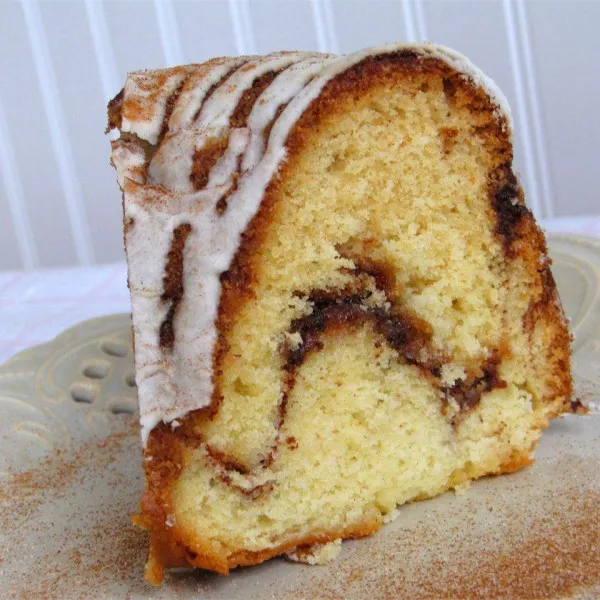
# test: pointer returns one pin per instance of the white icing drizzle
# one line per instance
(173, 383)
(220, 106)
(150, 100)
(172, 163)
(197, 86)
(129, 160)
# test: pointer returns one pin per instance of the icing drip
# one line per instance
(145, 100)
(173, 383)
(171, 165)
(129, 160)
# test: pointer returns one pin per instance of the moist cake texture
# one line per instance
(340, 300)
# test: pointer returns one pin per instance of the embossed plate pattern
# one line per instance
(70, 477)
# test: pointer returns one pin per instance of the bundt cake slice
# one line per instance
(340, 301)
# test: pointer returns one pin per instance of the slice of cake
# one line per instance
(340, 301)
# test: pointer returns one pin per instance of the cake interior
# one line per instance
(393, 339)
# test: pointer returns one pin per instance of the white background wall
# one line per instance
(61, 61)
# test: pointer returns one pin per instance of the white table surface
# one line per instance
(36, 306)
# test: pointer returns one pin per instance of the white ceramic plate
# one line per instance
(71, 477)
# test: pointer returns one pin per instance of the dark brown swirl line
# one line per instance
(173, 284)
(404, 332)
